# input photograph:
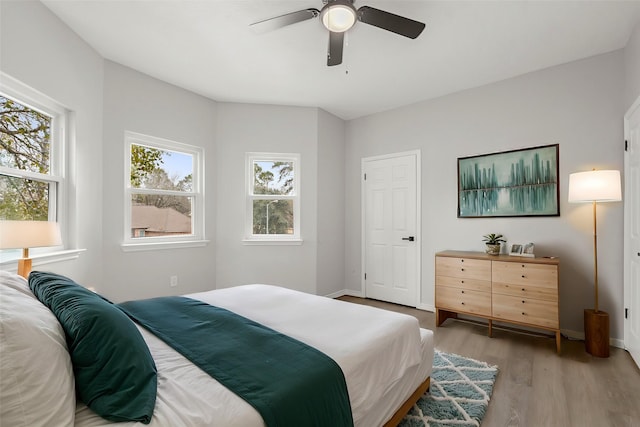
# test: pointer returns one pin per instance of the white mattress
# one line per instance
(384, 357)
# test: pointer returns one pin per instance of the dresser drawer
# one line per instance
(470, 284)
(463, 268)
(540, 275)
(525, 310)
(526, 291)
(463, 300)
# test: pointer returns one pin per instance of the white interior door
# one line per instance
(632, 232)
(391, 233)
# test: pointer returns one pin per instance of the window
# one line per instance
(32, 153)
(273, 198)
(164, 202)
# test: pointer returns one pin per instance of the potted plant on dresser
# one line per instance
(493, 243)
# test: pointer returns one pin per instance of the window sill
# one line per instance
(43, 259)
(154, 246)
(261, 242)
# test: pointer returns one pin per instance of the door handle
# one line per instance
(410, 238)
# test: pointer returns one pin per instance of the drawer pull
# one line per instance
(462, 269)
(522, 265)
(461, 260)
(523, 313)
(523, 301)
(461, 281)
(463, 304)
(523, 289)
(523, 276)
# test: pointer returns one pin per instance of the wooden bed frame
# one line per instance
(404, 409)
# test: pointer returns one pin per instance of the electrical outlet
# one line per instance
(173, 281)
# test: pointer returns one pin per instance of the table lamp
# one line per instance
(595, 186)
(28, 234)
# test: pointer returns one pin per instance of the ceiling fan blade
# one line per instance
(390, 22)
(336, 42)
(284, 20)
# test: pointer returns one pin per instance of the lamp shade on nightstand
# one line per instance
(28, 234)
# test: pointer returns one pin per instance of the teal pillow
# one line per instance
(114, 372)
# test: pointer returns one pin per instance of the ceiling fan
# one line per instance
(338, 16)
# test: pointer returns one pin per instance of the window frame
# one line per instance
(197, 236)
(272, 239)
(60, 205)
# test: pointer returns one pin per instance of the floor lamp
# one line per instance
(28, 234)
(595, 186)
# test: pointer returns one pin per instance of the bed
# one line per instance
(386, 358)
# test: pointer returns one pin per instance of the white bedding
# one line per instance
(384, 357)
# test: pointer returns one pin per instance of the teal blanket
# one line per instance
(289, 383)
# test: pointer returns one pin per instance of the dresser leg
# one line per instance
(442, 315)
(490, 328)
(558, 342)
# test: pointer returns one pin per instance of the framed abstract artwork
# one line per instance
(511, 183)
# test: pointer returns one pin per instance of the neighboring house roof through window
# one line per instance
(160, 220)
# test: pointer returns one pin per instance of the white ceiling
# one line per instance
(206, 46)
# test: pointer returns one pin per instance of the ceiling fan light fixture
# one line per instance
(338, 15)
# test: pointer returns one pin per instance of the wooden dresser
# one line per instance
(510, 289)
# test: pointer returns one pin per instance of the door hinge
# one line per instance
(365, 176)
(626, 313)
(626, 145)
(365, 276)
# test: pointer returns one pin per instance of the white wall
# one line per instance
(49, 57)
(317, 265)
(632, 68)
(37, 49)
(577, 105)
(330, 260)
(139, 103)
(264, 128)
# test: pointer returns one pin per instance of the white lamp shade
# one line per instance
(29, 234)
(338, 16)
(595, 186)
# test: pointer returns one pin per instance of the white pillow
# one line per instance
(16, 282)
(36, 377)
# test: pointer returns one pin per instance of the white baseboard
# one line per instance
(426, 307)
(345, 292)
(573, 335)
(358, 294)
(577, 335)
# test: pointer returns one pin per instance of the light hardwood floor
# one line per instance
(536, 387)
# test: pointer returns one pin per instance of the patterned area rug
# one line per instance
(458, 396)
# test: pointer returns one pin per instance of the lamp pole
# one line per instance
(595, 254)
(273, 201)
(595, 186)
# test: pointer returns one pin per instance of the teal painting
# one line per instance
(511, 183)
